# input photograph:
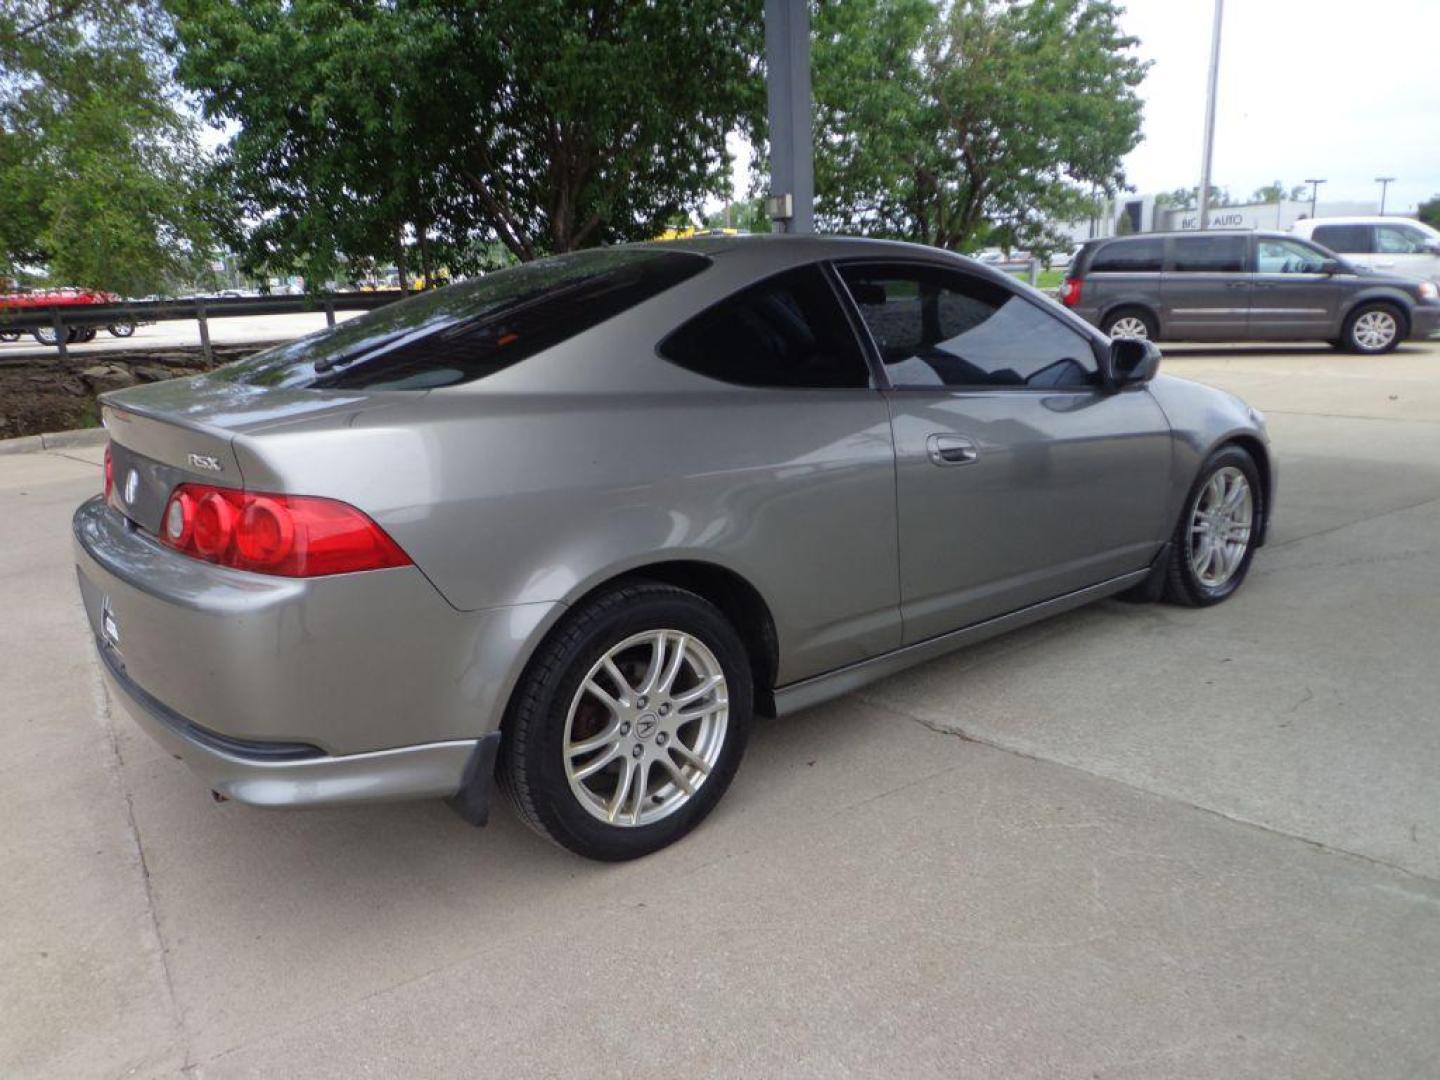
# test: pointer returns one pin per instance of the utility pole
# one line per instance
(1314, 194)
(1210, 116)
(1384, 182)
(792, 167)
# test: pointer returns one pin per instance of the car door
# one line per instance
(1018, 477)
(1405, 250)
(1206, 288)
(1293, 298)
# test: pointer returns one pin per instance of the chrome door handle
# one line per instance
(1237, 284)
(951, 450)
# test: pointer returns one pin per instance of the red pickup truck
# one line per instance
(64, 297)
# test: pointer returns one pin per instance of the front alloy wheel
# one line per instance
(1373, 329)
(1214, 542)
(629, 722)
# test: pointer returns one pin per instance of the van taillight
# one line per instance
(109, 473)
(287, 535)
(1070, 292)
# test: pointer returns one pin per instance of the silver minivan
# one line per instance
(1244, 286)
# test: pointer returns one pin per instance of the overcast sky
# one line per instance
(1345, 90)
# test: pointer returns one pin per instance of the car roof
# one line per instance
(1267, 233)
(792, 246)
(1361, 219)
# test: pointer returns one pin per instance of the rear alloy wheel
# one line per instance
(1373, 329)
(122, 329)
(9, 335)
(1130, 323)
(629, 723)
(1215, 539)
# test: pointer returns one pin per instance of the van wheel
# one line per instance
(1131, 322)
(1372, 329)
(629, 723)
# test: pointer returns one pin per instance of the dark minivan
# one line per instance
(1243, 286)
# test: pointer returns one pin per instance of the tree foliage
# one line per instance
(1429, 211)
(1189, 198)
(97, 160)
(936, 122)
(423, 130)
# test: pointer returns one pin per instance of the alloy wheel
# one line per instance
(1220, 526)
(1375, 329)
(1129, 326)
(646, 728)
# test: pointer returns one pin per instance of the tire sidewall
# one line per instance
(557, 807)
(1200, 593)
(1354, 345)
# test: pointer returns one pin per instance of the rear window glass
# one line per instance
(1130, 257)
(472, 329)
(1350, 239)
(1210, 254)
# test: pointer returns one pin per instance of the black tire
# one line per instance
(531, 761)
(1183, 585)
(46, 335)
(86, 333)
(1351, 338)
(122, 329)
(1146, 319)
(9, 335)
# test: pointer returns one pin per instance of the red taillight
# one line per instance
(288, 535)
(109, 473)
(1070, 292)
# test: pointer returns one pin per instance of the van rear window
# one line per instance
(472, 329)
(1130, 257)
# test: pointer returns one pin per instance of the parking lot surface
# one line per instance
(1134, 841)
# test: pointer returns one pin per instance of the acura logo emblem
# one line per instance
(645, 726)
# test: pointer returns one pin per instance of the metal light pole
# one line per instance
(1314, 193)
(792, 167)
(1210, 117)
(1384, 182)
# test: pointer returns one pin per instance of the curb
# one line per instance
(54, 440)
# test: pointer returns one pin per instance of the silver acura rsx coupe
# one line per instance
(569, 526)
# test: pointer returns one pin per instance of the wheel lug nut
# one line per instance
(625, 728)
(661, 739)
(665, 709)
(637, 751)
(640, 702)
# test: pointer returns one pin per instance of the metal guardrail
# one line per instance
(63, 317)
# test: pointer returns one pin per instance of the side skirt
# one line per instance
(812, 691)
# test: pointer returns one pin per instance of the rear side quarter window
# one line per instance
(1130, 257)
(1346, 239)
(786, 331)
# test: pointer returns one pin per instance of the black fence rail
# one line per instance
(63, 318)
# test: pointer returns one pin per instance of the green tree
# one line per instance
(414, 128)
(98, 164)
(749, 215)
(1429, 211)
(935, 121)
(1189, 198)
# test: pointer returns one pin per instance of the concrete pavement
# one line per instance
(1136, 841)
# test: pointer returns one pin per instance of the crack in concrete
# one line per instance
(108, 722)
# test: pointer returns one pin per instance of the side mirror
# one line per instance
(1433, 247)
(1331, 266)
(1133, 361)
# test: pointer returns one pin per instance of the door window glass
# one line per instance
(787, 331)
(1399, 240)
(1210, 254)
(1347, 239)
(935, 327)
(1287, 257)
(1130, 257)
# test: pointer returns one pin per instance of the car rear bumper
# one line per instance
(290, 692)
(292, 774)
